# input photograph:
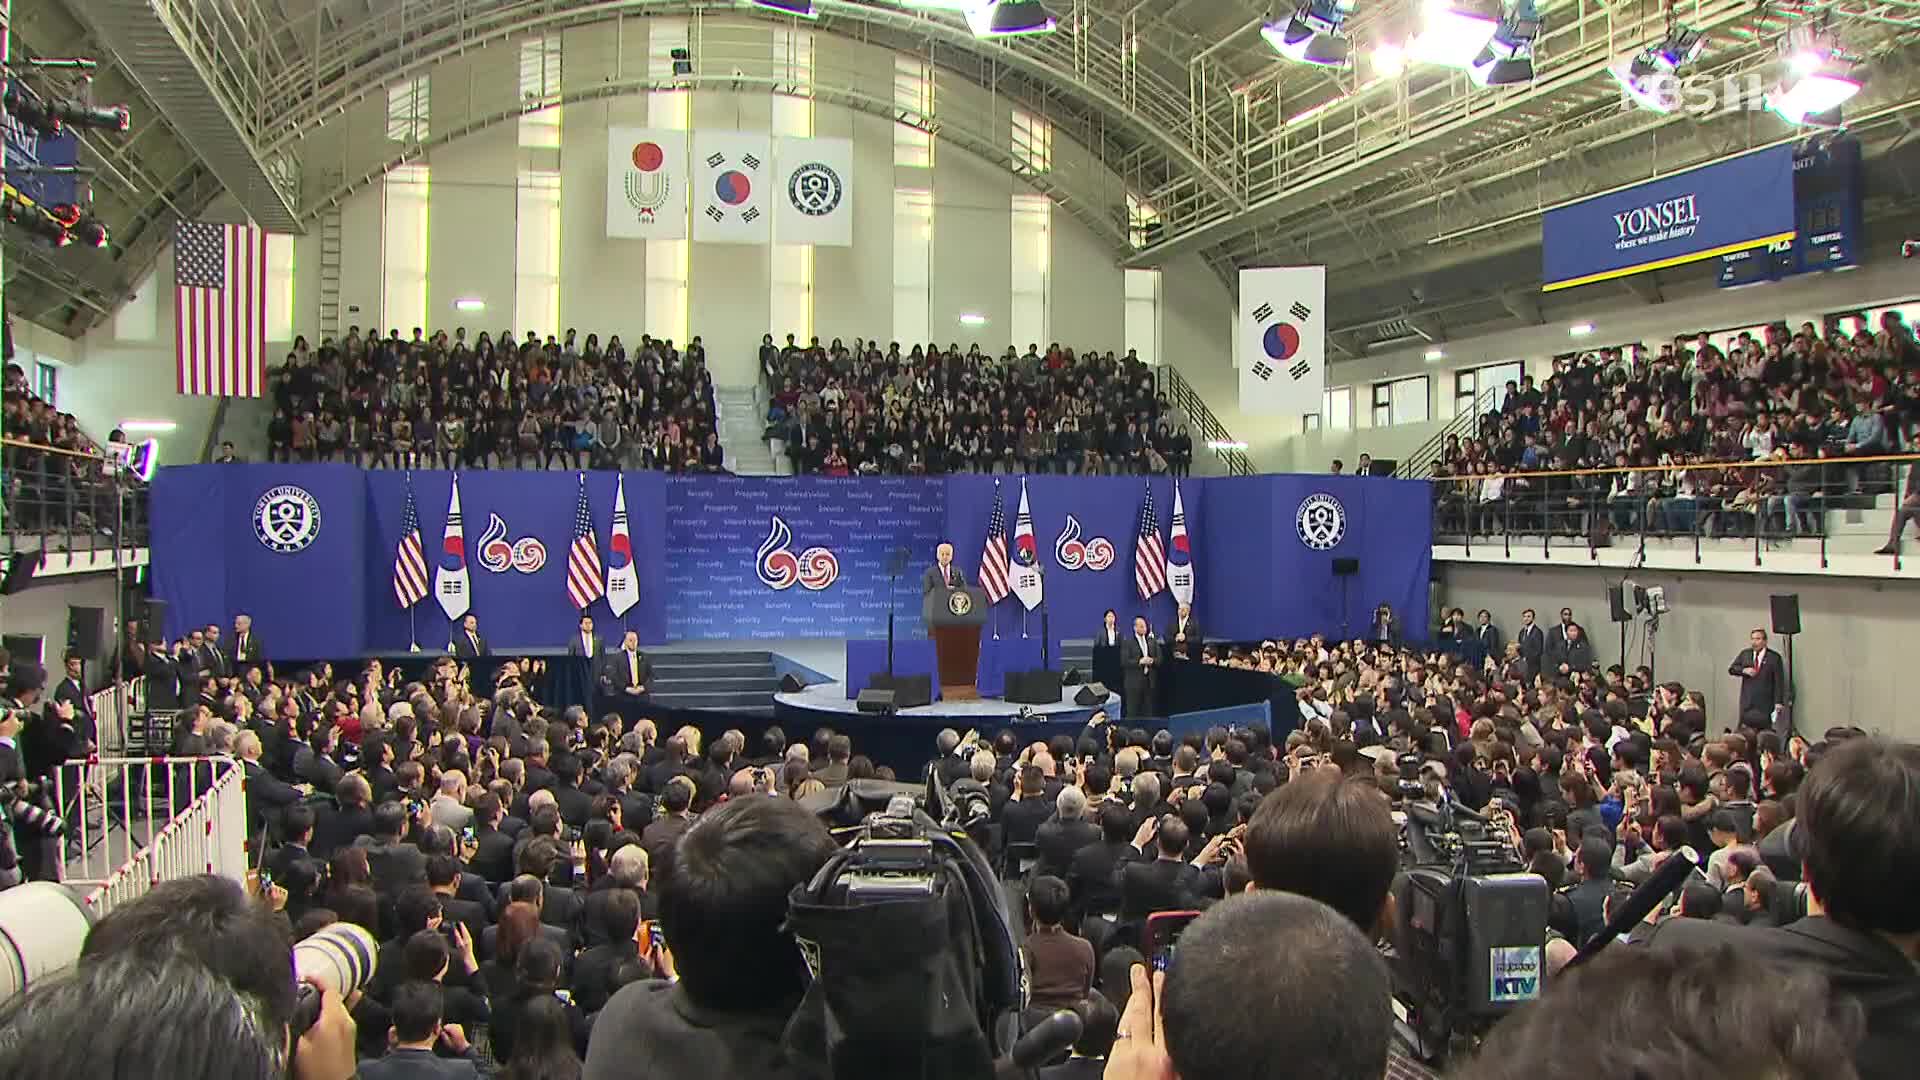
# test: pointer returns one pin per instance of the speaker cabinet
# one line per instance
(84, 625)
(874, 701)
(1037, 687)
(911, 691)
(1094, 693)
(790, 683)
(1617, 604)
(1786, 613)
(17, 571)
(153, 621)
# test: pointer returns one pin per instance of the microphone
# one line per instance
(1671, 875)
(1048, 1038)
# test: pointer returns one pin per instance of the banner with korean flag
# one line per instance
(733, 172)
(623, 578)
(814, 200)
(1180, 554)
(1027, 584)
(646, 183)
(1282, 340)
(450, 577)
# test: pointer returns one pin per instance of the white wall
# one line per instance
(1856, 633)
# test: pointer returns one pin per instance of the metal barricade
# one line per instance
(135, 822)
(111, 721)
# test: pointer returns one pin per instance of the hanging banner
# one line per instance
(1282, 340)
(732, 171)
(814, 200)
(647, 183)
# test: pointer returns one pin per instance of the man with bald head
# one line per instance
(943, 574)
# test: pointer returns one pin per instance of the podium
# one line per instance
(953, 618)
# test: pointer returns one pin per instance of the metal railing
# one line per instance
(1464, 424)
(1181, 394)
(133, 822)
(114, 708)
(64, 500)
(1588, 507)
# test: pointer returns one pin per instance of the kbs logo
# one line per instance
(814, 569)
(1095, 554)
(498, 554)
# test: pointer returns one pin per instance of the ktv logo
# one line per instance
(1095, 554)
(498, 554)
(814, 569)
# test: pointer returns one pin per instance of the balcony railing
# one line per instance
(59, 500)
(1769, 502)
(1184, 397)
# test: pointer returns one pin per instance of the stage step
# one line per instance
(737, 680)
(664, 669)
(725, 699)
(676, 684)
(711, 656)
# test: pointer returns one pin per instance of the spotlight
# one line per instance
(1313, 35)
(29, 111)
(92, 117)
(1819, 79)
(86, 228)
(1454, 32)
(23, 215)
(1000, 18)
(1507, 58)
(1650, 77)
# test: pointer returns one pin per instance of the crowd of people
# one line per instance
(442, 401)
(1675, 427)
(46, 490)
(867, 410)
(560, 895)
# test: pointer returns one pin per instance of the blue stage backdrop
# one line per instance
(308, 550)
(779, 557)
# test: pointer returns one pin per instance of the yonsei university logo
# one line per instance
(1321, 521)
(815, 189)
(286, 519)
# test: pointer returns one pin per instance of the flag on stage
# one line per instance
(409, 560)
(450, 577)
(1026, 555)
(623, 578)
(220, 308)
(993, 561)
(1180, 557)
(583, 558)
(1149, 557)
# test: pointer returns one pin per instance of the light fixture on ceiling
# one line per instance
(1580, 329)
(1507, 57)
(1312, 35)
(1819, 79)
(1002, 18)
(1436, 355)
(469, 303)
(1226, 444)
(972, 319)
(1651, 77)
(86, 228)
(1453, 32)
(798, 8)
(1389, 59)
(23, 214)
(149, 427)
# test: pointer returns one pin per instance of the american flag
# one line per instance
(993, 561)
(583, 558)
(220, 308)
(1149, 555)
(409, 562)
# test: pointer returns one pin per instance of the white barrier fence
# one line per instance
(112, 720)
(135, 822)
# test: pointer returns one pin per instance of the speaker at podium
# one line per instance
(953, 618)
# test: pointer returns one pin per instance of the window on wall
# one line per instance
(1143, 313)
(793, 82)
(1468, 385)
(1143, 222)
(279, 288)
(540, 81)
(912, 252)
(1400, 401)
(1032, 257)
(403, 254)
(407, 108)
(536, 264)
(1310, 421)
(46, 383)
(671, 109)
(1336, 408)
(912, 105)
(1032, 143)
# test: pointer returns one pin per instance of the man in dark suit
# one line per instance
(1585, 911)
(1488, 635)
(1061, 838)
(1157, 876)
(467, 642)
(585, 642)
(1763, 680)
(443, 877)
(395, 863)
(268, 797)
(296, 833)
(574, 805)
(618, 915)
(1094, 875)
(1185, 635)
(214, 659)
(1861, 932)
(246, 644)
(942, 574)
(163, 678)
(315, 764)
(1140, 658)
(1557, 637)
(625, 675)
(1022, 816)
(493, 849)
(417, 1031)
(73, 690)
(1533, 643)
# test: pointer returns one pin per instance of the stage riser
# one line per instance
(732, 699)
(758, 684)
(663, 670)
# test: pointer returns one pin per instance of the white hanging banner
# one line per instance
(1282, 340)
(732, 170)
(647, 183)
(814, 200)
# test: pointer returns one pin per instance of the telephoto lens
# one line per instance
(341, 957)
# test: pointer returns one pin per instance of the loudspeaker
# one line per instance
(874, 701)
(83, 631)
(789, 683)
(1037, 687)
(25, 649)
(19, 569)
(1071, 678)
(1617, 604)
(1093, 693)
(1786, 613)
(910, 691)
(1343, 566)
(153, 619)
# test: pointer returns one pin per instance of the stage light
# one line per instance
(25, 216)
(1312, 35)
(469, 303)
(1580, 329)
(1225, 444)
(1389, 60)
(1453, 33)
(86, 229)
(972, 319)
(1003, 18)
(1434, 356)
(149, 427)
(92, 117)
(799, 8)
(29, 111)
(1820, 77)
(1650, 77)
(144, 460)
(1507, 58)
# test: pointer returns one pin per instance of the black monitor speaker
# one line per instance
(791, 683)
(912, 691)
(1786, 613)
(153, 618)
(874, 701)
(1094, 693)
(1037, 687)
(1072, 677)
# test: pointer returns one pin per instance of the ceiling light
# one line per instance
(1436, 354)
(469, 303)
(1389, 59)
(1453, 33)
(1580, 329)
(1507, 58)
(148, 427)
(801, 8)
(1650, 77)
(1819, 78)
(971, 319)
(1000, 18)
(1312, 35)
(1225, 444)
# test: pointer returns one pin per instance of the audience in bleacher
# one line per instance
(48, 491)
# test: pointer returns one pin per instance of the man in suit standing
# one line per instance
(1558, 636)
(1488, 635)
(1763, 680)
(73, 690)
(942, 574)
(584, 641)
(1158, 876)
(626, 674)
(214, 659)
(1533, 644)
(1140, 658)
(467, 642)
(1185, 634)
(246, 644)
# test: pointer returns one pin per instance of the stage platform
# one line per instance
(908, 735)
